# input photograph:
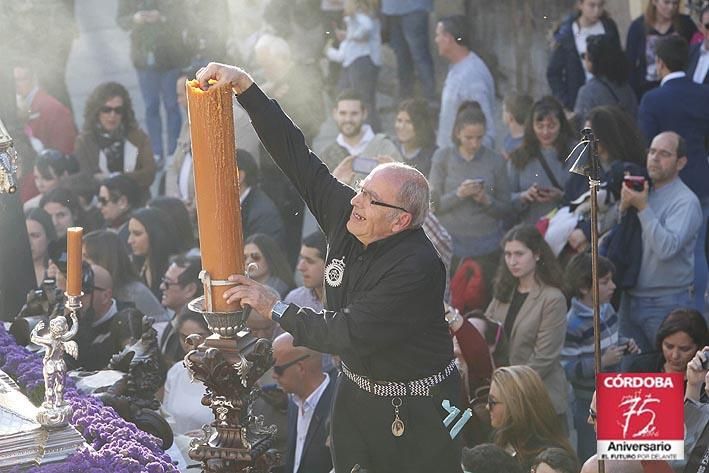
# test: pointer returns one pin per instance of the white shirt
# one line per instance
(581, 34)
(672, 75)
(113, 310)
(367, 136)
(181, 405)
(702, 65)
(306, 409)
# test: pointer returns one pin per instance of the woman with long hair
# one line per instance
(536, 169)
(522, 415)
(151, 237)
(415, 134)
(529, 302)
(680, 336)
(64, 208)
(619, 144)
(661, 18)
(471, 191)
(50, 167)
(106, 249)
(40, 230)
(609, 84)
(111, 142)
(271, 266)
(178, 213)
(566, 72)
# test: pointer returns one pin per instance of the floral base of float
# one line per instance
(111, 443)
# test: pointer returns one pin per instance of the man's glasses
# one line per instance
(167, 283)
(117, 110)
(370, 198)
(592, 414)
(280, 369)
(253, 256)
(103, 200)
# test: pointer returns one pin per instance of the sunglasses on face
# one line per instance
(280, 369)
(592, 414)
(167, 283)
(117, 110)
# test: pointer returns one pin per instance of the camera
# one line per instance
(57, 253)
(636, 183)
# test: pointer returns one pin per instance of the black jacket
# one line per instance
(385, 317)
(156, 45)
(260, 215)
(694, 53)
(565, 72)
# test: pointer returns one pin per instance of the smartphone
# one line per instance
(636, 183)
(363, 165)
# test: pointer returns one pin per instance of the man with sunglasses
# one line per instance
(179, 286)
(298, 371)
(384, 285)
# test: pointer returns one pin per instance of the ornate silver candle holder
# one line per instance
(54, 411)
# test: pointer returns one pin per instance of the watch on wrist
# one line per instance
(279, 308)
(452, 315)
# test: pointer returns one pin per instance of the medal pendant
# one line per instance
(397, 427)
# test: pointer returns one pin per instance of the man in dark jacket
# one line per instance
(384, 286)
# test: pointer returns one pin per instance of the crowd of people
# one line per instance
(509, 221)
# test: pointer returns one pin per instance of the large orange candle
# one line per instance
(73, 263)
(216, 180)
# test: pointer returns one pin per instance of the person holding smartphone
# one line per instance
(670, 217)
(536, 169)
(471, 192)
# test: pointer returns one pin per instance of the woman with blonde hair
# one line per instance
(522, 415)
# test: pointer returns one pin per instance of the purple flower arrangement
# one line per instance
(116, 445)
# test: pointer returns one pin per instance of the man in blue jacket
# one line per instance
(682, 106)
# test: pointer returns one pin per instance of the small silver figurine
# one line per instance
(54, 412)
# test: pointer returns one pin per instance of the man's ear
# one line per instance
(192, 288)
(122, 202)
(681, 163)
(402, 222)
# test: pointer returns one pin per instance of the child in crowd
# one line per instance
(360, 53)
(578, 352)
(515, 108)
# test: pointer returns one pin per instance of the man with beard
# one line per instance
(356, 139)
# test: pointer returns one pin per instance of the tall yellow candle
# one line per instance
(211, 118)
(73, 273)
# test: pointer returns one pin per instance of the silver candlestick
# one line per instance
(55, 412)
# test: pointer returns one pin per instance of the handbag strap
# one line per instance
(547, 170)
(610, 89)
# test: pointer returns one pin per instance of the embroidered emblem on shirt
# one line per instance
(334, 272)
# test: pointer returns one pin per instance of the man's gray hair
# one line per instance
(414, 194)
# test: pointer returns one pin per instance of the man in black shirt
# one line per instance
(384, 286)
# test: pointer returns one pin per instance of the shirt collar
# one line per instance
(244, 195)
(113, 310)
(672, 75)
(314, 397)
(367, 136)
